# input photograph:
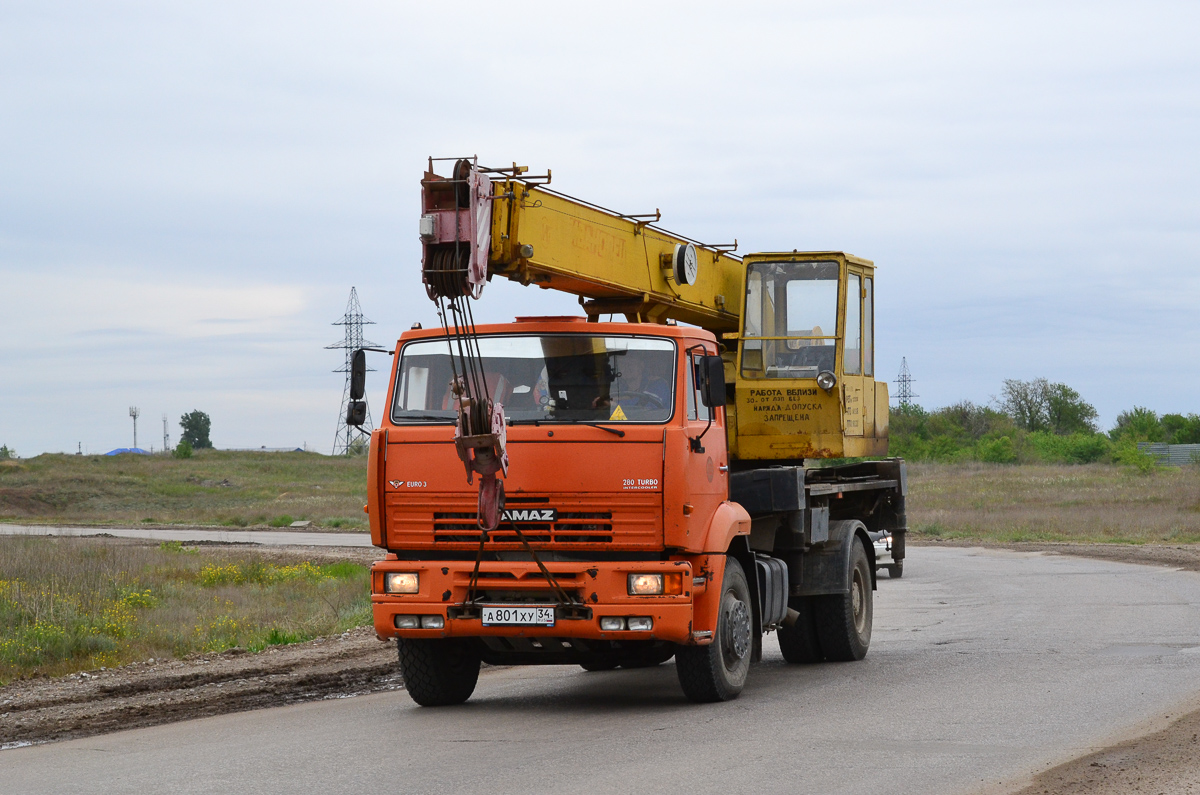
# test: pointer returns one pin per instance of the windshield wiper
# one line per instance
(603, 428)
(425, 417)
(614, 431)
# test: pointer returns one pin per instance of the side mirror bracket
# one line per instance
(709, 371)
(356, 413)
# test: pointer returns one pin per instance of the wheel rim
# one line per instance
(736, 634)
(858, 601)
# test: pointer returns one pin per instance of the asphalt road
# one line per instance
(986, 666)
(269, 537)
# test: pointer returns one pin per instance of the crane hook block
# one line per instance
(455, 231)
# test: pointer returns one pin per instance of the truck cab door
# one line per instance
(707, 471)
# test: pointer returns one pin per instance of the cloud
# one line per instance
(82, 307)
(189, 190)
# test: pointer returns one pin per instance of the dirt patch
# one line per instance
(1163, 762)
(153, 692)
(1179, 556)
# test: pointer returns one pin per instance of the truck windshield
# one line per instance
(791, 307)
(546, 378)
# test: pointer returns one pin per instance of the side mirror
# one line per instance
(712, 390)
(356, 413)
(358, 377)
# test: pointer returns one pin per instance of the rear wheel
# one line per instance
(438, 672)
(843, 621)
(799, 642)
(717, 672)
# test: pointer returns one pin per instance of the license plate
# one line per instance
(519, 615)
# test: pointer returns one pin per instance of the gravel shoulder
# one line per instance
(1180, 556)
(1165, 761)
(155, 692)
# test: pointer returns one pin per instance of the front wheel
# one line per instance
(843, 621)
(896, 570)
(438, 672)
(717, 672)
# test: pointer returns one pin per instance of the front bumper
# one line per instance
(600, 588)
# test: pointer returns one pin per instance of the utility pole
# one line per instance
(134, 412)
(166, 439)
(904, 393)
(353, 321)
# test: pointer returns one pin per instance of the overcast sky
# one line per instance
(188, 191)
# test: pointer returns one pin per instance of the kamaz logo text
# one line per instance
(529, 515)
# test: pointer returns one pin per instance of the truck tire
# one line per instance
(438, 672)
(844, 620)
(799, 642)
(717, 672)
(896, 570)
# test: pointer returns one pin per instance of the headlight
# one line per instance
(645, 584)
(826, 380)
(640, 623)
(432, 622)
(612, 623)
(407, 622)
(401, 582)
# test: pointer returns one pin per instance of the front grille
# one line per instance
(618, 521)
(571, 528)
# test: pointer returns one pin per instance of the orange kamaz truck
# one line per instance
(693, 463)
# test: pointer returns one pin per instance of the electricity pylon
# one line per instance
(904, 393)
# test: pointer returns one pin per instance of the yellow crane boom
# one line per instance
(797, 328)
(618, 263)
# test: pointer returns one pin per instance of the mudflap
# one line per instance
(825, 568)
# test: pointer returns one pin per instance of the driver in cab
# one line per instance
(634, 387)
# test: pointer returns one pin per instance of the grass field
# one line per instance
(997, 502)
(69, 604)
(1093, 503)
(213, 487)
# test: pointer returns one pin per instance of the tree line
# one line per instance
(1031, 422)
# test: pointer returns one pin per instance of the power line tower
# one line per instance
(904, 393)
(348, 437)
(135, 412)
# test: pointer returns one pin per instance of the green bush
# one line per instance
(996, 451)
(1075, 448)
(183, 449)
(1127, 454)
